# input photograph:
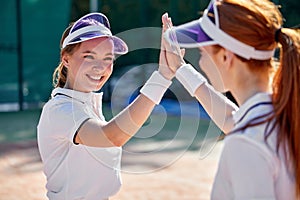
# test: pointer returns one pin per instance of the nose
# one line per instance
(98, 67)
(102, 64)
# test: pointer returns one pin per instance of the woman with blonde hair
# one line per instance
(80, 150)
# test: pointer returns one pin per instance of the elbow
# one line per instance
(113, 138)
(228, 126)
(226, 131)
(116, 142)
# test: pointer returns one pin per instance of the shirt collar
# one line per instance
(252, 104)
(83, 97)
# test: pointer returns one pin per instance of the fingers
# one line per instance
(171, 57)
(166, 23)
(162, 57)
(164, 20)
(163, 64)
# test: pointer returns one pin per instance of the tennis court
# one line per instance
(166, 165)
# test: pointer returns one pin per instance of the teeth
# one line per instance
(96, 77)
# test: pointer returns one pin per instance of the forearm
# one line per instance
(118, 130)
(218, 106)
(123, 126)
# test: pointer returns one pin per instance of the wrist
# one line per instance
(166, 73)
(155, 87)
(190, 78)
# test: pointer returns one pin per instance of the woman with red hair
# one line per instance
(237, 40)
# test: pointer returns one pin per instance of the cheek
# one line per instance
(108, 73)
(204, 65)
(109, 69)
(201, 64)
(73, 71)
(76, 66)
(210, 69)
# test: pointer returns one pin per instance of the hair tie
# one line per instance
(277, 32)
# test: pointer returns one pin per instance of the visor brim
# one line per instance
(120, 47)
(190, 35)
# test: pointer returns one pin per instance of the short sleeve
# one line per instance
(66, 118)
(245, 171)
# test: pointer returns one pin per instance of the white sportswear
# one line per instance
(75, 171)
(248, 167)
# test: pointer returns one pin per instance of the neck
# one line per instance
(71, 86)
(242, 97)
(249, 84)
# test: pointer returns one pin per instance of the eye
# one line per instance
(88, 56)
(109, 59)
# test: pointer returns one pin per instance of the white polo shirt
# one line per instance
(248, 168)
(75, 171)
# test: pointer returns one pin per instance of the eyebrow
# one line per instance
(92, 52)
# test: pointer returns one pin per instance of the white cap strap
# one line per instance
(231, 43)
(87, 29)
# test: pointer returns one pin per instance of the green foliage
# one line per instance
(44, 21)
(131, 14)
(290, 11)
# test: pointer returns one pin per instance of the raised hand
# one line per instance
(174, 55)
(163, 65)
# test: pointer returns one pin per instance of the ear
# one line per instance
(227, 58)
(65, 60)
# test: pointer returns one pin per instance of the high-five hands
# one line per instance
(163, 64)
(172, 52)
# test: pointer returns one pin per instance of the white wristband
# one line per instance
(155, 87)
(190, 78)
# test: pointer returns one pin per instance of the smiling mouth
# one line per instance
(96, 78)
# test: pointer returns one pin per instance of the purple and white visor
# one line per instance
(206, 31)
(90, 26)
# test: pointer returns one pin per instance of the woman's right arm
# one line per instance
(119, 129)
(122, 127)
(218, 106)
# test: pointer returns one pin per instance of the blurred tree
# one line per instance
(132, 14)
(290, 10)
(79, 8)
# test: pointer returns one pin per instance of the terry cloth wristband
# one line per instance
(155, 87)
(190, 78)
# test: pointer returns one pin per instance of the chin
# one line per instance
(97, 88)
(222, 90)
